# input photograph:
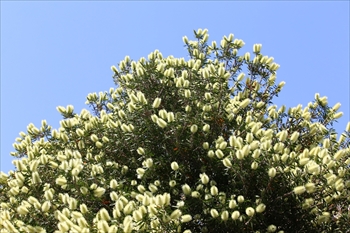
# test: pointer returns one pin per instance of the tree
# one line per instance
(184, 146)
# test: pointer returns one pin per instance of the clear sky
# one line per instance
(55, 53)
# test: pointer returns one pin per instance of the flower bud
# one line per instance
(206, 145)
(161, 123)
(247, 56)
(272, 172)
(194, 128)
(299, 190)
(61, 181)
(174, 166)
(260, 208)
(188, 108)
(22, 210)
(271, 228)
(294, 136)
(204, 178)
(336, 107)
(250, 211)
(114, 69)
(283, 135)
(254, 165)
(221, 71)
(256, 48)
(140, 151)
(244, 103)
(211, 153)
(219, 154)
(232, 204)
(214, 213)
(98, 192)
(239, 154)
(186, 218)
(310, 187)
(156, 102)
(235, 215)
(223, 43)
(170, 116)
(240, 199)
(185, 39)
(281, 84)
(227, 163)
(347, 129)
(214, 190)
(339, 154)
(338, 115)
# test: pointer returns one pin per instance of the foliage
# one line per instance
(184, 146)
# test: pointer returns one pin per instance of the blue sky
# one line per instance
(55, 53)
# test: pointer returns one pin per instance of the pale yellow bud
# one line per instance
(98, 192)
(114, 69)
(336, 107)
(254, 165)
(22, 210)
(221, 71)
(269, 60)
(187, 93)
(70, 109)
(239, 154)
(338, 115)
(186, 218)
(283, 135)
(161, 123)
(347, 129)
(103, 213)
(223, 43)
(98, 144)
(113, 184)
(260, 208)
(140, 151)
(219, 154)
(299, 190)
(185, 39)
(272, 172)
(206, 128)
(194, 128)
(46, 206)
(214, 190)
(339, 154)
(153, 188)
(294, 136)
(271, 228)
(211, 154)
(240, 77)
(156, 102)
(174, 166)
(240, 199)
(61, 109)
(257, 48)
(250, 211)
(204, 178)
(170, 116)
(61, 181)
(244, 103)
(214, 213)
(247, 56)
(235, 215)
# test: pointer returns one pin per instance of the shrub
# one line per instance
(183, 146)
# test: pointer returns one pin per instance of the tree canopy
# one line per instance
(180, 145)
